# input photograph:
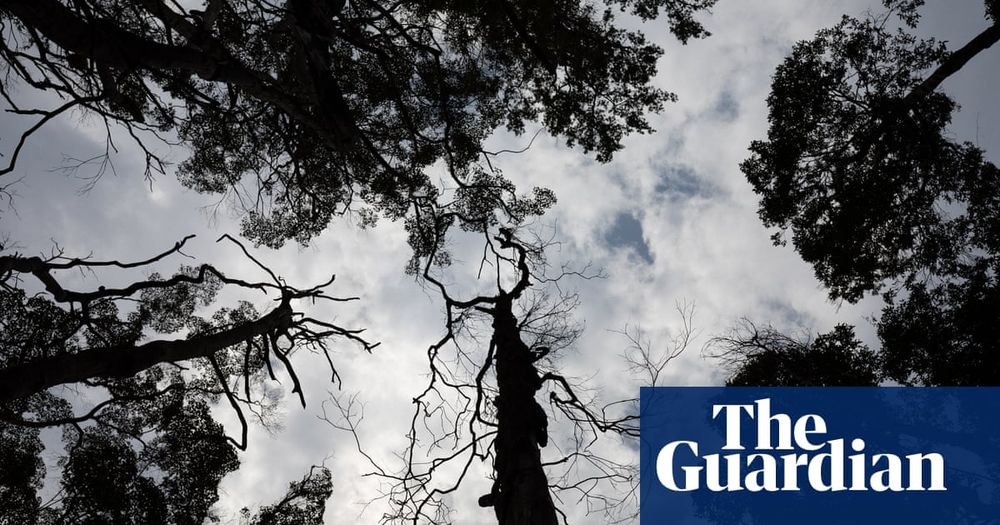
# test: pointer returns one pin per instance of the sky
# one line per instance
(671, 220)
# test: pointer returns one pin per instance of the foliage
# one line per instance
(312, 104)
(140, 444)
(304, 503)
(22, 473)
(765, 357)
(945, 335)
(860, 167)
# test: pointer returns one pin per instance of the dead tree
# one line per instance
(520, 493)
(484, 404)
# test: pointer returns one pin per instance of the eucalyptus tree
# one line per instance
(496, 401)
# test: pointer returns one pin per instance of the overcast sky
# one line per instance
(670, 219)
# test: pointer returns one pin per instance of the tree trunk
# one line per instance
(521, 493)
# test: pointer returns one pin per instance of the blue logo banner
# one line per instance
(820, 456)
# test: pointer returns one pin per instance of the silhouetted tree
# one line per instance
(172, 479)
(859, 165)
(320, 109)
(304, 503)
(22, 473)
(945, 335)
(482, 403)
(758, 356)
(140, 442)
(321, 102)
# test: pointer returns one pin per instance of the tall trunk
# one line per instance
(521, 494)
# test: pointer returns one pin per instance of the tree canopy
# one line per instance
(145, 447)
(763, 356)
(860, 167)
(323, 108)
(300, 111)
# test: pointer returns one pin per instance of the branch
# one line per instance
(41, 269)
(954, 63)
(47, 116)
(107, 43)
(128, 360)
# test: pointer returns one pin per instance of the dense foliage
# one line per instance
(301, 109)
(860, 166)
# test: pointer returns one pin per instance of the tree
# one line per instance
(859, 165)
(318, 104)
(172, 477)
(172, 480)
(944, 335)
(320, 109)
(302, 505)
(144, 447)
(482, 404)
(104, 480)
(765, 357)
(20, 454)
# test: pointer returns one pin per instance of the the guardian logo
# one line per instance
(791, 455)
(822, 456)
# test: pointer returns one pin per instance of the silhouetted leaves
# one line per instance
(945, 335)
(22, 473)
(193, 456)
(304, 503)
(851, 167)
(307, 110)
(766, 357)
(860, 167)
